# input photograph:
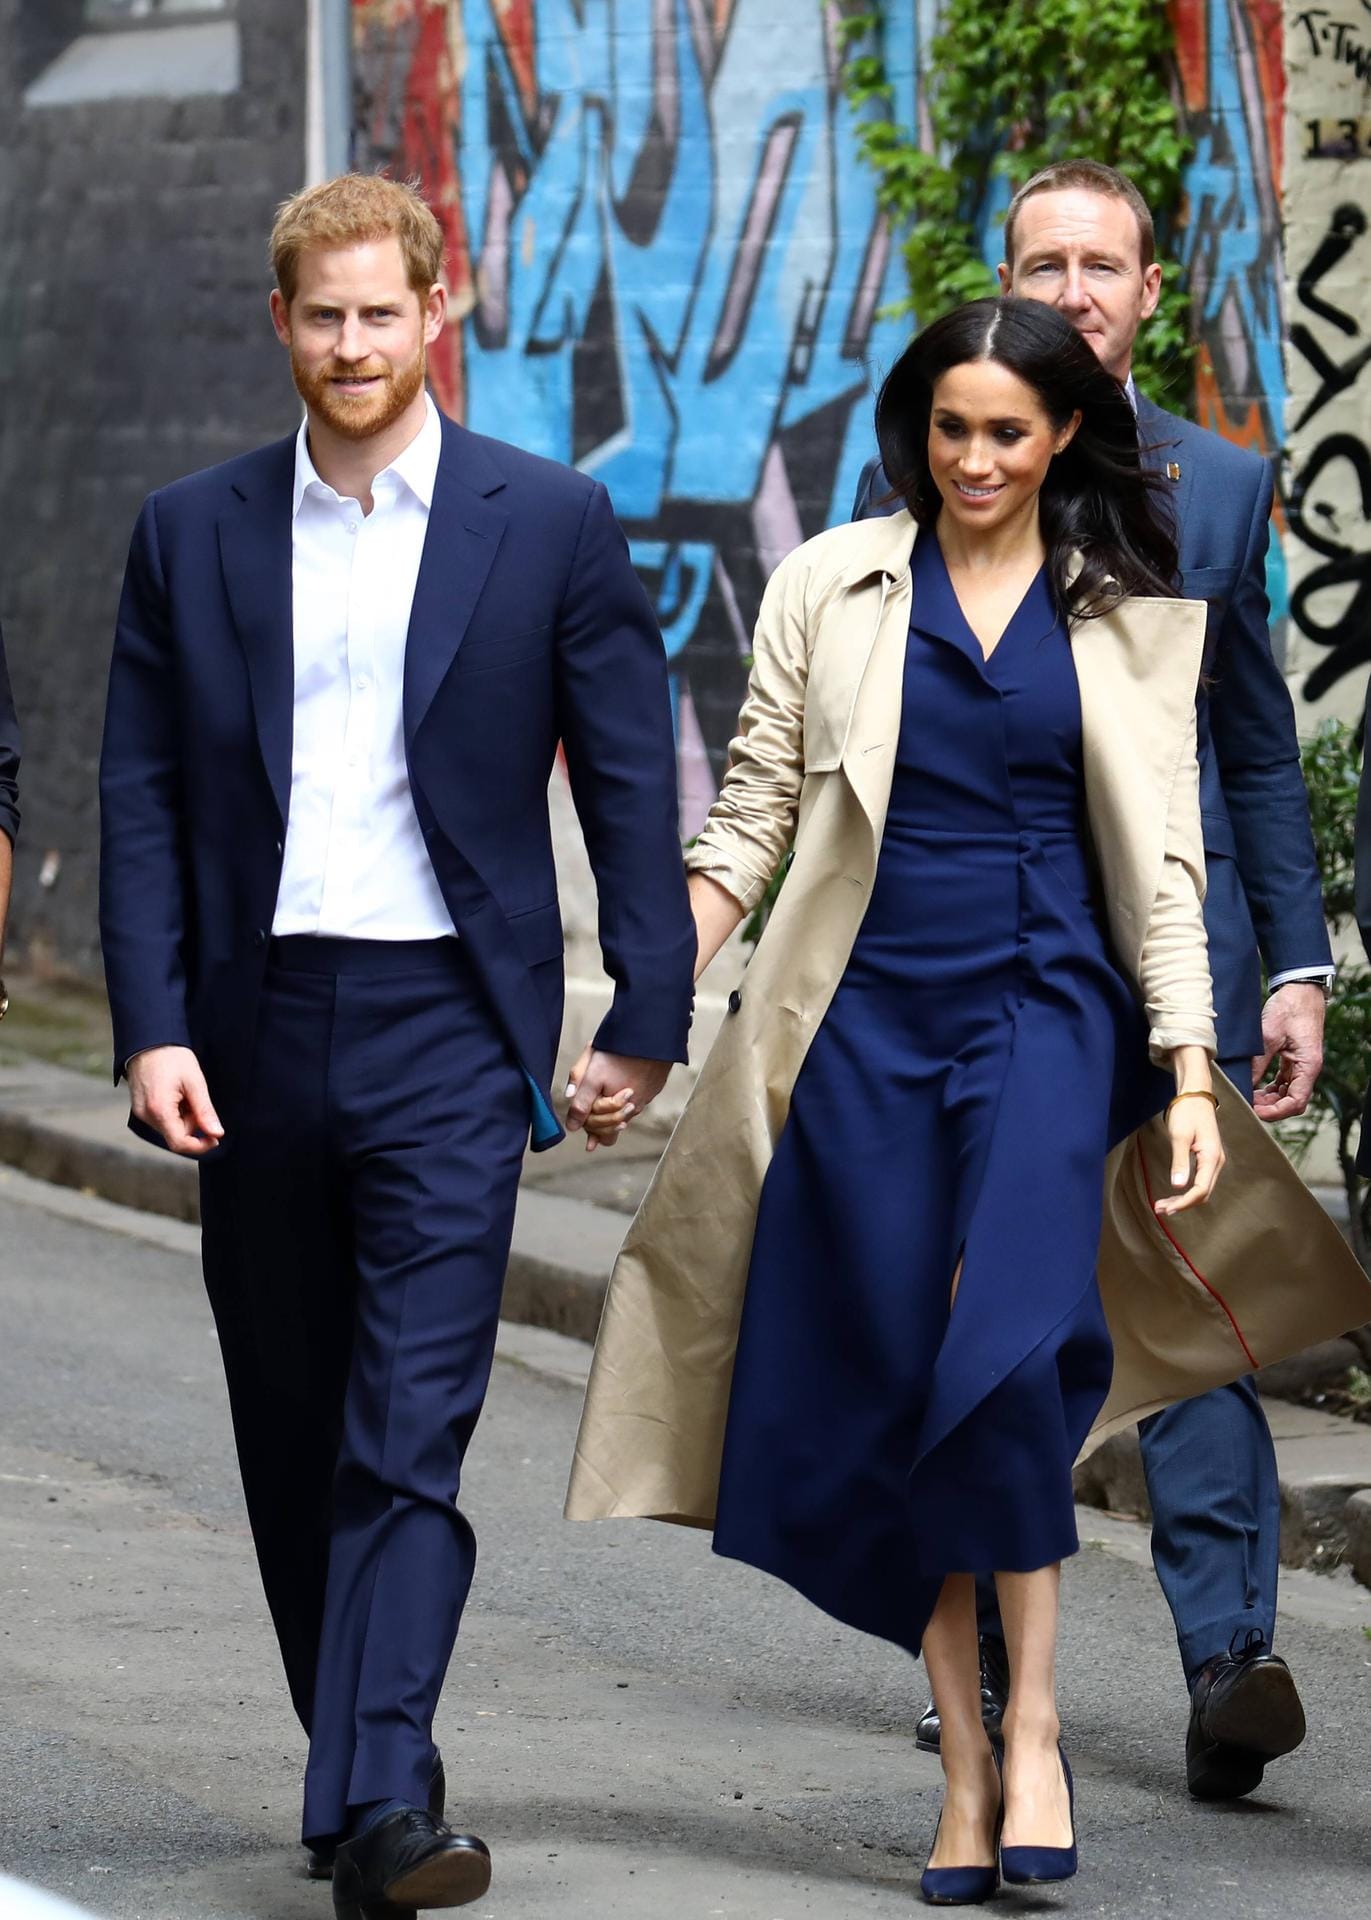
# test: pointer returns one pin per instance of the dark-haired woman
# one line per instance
(857, 1325)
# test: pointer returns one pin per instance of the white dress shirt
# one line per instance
(355, 863)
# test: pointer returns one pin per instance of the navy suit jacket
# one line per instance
(9, 754)
(1265, 901)
(529, 627)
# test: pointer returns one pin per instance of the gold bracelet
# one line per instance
(1195, 1093)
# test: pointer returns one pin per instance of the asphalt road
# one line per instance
(637, 1728)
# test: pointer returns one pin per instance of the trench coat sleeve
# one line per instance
(752, 823)
(1173, 966)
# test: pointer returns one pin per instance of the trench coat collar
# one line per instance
(886, 545)
(866, 685)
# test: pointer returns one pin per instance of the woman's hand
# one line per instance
(1197, 1154)
(608, 1117)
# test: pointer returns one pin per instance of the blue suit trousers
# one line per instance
(356, 1230)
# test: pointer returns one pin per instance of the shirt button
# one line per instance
(360, 683)
(352, 526)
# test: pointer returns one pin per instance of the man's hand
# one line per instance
(167, 1091)
(606, 1090)
(1292, 1034)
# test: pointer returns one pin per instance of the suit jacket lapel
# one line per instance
(255, 553)
(1160, 445)
(464, 534)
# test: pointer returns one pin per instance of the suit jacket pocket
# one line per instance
(1218, 834)
(479, 651)
(538, 933)
(1206, 580)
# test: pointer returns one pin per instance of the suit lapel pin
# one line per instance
(1173, 469)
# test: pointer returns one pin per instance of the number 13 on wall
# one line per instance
(1338, 139)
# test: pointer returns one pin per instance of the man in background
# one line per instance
(1079, 236)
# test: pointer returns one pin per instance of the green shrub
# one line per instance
(1012, 86)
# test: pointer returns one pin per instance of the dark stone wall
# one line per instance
(134, 346)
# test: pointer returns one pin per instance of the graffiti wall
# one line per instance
(668, 265)
(1328, 298)
(1232, 82)
(669, 268)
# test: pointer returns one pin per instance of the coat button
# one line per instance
(735, 1001)
(259, 939)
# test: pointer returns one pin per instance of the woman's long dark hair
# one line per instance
(1096, 500)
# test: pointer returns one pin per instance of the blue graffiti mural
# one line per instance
(673, 268)
(1231, 245)
(677, 272)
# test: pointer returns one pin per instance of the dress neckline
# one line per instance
(937, 611)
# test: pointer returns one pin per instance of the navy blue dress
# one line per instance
(957, 1103)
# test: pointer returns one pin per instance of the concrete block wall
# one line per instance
(134, 347)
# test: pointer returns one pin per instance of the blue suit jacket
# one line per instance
(1265, 900)
(9, 754)
(529, 627)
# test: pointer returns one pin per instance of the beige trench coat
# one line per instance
(1257, 1274)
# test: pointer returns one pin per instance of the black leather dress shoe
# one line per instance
(406, 1861)
(928, 1732)
(319, 1865)
(1244, 1710)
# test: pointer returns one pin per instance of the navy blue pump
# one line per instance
(964, 1886)
(1038, 1866)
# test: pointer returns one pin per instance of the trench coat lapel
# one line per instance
(1138, 669)
(465, 528)
(871, 690)
(255, 554)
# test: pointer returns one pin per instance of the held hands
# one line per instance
(606, 1090)
(1292, 1036)
(1197, 1154)
(167, 1091)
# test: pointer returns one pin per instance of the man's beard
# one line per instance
(359, 416)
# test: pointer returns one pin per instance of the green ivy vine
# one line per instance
(1011, 86)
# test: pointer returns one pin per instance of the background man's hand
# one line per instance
(167, 1091)
(606, 1090)
(1292, 1034)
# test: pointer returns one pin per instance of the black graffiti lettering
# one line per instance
(1311, 20)
(1334, 38)
(1350, 52)
(1347, 636)
(1344, 230)
(1335, 379)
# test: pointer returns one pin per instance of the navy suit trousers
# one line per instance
(356, 1231)
(1216, 1511)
